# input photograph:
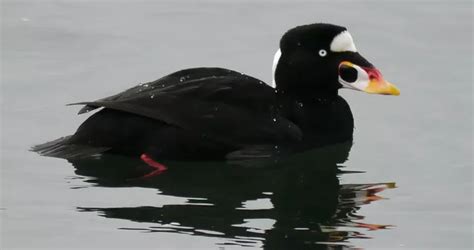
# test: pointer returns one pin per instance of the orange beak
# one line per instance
(367, 79)
(378, 85)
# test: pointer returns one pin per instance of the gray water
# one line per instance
(417, 147)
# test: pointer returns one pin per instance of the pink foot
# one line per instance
(158, 167)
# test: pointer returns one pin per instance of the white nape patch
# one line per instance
(361, 83)
(343, 42)
(276, 59)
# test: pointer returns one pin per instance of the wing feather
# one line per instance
(220, 104)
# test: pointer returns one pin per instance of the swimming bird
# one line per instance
(218, 114)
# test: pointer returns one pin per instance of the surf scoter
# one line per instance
(216, 113)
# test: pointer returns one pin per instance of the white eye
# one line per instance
(323, 53)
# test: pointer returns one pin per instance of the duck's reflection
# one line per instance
(293, 203)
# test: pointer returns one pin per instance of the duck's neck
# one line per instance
(323, 117)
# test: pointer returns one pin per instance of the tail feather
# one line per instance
(62, 148)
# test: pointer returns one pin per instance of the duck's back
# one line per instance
(191, 114)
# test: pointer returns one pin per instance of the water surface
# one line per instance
(414, 151)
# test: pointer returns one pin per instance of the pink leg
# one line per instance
(158, 167)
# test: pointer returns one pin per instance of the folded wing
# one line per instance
(223, 105)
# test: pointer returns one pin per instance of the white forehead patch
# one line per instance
(343, 42)
(276, 59)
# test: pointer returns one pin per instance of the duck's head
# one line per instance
(322, 58)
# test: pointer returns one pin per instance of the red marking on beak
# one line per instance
(374, 73)
(377, 85)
